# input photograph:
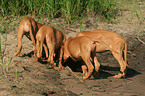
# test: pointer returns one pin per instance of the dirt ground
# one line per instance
(27, 77)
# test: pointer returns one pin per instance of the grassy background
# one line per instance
(70, 12)
(68, 9)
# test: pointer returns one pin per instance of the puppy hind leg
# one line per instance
(38, 49)
(51, 56)
(51, 47)
(96, 63)
(51, 59)
(46, 50)
(32, 35)
(19, 40)
(122, 63)
(97, 67)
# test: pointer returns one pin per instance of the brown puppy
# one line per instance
(80, 48)
(50, 38)
(114, 41)
(28, 27)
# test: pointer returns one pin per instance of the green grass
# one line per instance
(138, 12)
(3, 67)
(71, 10)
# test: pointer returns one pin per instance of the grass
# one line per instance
(135, 7)
(4, 67)
(71, 10)
(138, 12)
(1, 59)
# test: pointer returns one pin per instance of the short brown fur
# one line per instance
(28, 27)
(80, 48)
(51, 39)
(114, 41)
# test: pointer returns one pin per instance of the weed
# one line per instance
(139, 16)
(2, 55)
(16, 73)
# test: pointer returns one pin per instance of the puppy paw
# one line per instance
(119, 76)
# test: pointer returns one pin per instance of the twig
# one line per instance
(129, 52)
(140, 40)
(74, 74)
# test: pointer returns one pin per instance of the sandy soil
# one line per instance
(27, 77)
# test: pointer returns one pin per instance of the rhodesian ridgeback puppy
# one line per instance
(114, 41)
(51, 39)
(28, 27)
(80, 48)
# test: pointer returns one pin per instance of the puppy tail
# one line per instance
(125, 54)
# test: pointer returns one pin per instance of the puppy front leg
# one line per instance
(60, 58)
(90, 67)
(84, 69)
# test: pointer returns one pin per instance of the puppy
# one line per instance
(116, 42)
(52, 40)
(28, 27)
(80, 48)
